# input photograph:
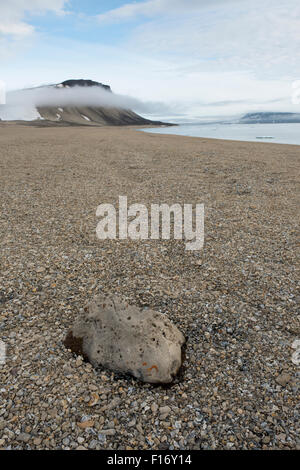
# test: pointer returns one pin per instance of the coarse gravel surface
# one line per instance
(236, 301)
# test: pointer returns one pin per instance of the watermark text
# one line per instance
(133, 222)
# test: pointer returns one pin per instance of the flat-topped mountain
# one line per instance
(72, 102)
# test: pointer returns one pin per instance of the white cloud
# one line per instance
(197, 57)
(152, 8)
(262, 38)
(169, 90)
(13, 12)
(220, 57)
(16, 29)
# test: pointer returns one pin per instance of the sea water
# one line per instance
(272, 133)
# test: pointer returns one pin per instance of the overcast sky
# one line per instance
(196, 57)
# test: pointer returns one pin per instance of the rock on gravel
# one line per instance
(283, 379)
(128, 339)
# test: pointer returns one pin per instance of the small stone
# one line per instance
(94, 399)
(283, 379)
(296, 357)
(164, 411)
(92, 387)
(140, 429)
(108, 432)
(79, 361)
(93, 444)
(296, 344)
(40, 270)
(102, 438)
(67, 371)
(86, 424)
(154, 408)
(24, 437)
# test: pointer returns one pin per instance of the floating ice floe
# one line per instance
(265, 137)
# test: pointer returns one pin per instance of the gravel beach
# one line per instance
(236, 301)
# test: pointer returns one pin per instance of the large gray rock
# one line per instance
(124, 338)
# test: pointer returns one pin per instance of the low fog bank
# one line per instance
(23, 104)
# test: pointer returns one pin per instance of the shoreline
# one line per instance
(257, 140)
(215, 139)
(54, 125)
(236, 300)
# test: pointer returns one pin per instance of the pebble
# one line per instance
(108, 432)
(283, 379)
(24, 437)
(164, 411)
(154, 408)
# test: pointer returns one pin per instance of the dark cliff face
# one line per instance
(92, 116)
(84, 83)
